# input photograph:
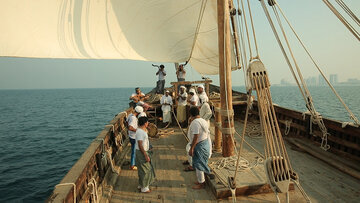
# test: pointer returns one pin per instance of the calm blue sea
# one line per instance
(44, 132)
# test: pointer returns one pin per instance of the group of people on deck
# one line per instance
(199, 146)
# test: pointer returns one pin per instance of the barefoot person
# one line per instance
(146, 171)
(200, 147)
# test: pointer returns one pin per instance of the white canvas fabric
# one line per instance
(177, 30)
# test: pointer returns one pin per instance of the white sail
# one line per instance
(148, 30)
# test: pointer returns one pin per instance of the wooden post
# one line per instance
(218, 135)
(225, 76)
(176, 93)
(176, 85)
(207, 89)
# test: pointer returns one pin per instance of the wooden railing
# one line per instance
(74, 186)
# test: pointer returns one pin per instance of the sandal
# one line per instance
(189, 168)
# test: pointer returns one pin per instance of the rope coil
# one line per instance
(288, 126)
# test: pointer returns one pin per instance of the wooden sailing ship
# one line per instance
(100, 174)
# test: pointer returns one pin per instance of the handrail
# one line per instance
(86, 167)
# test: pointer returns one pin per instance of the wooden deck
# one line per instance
(322, 182)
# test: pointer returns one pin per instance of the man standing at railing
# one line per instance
(146, 171)
(132, 123)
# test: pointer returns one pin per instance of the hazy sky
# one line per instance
(335, 49)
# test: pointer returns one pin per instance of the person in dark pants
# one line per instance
(161, 82)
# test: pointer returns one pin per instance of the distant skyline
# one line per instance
(334, 48)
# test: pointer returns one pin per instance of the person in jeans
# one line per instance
(132, 122)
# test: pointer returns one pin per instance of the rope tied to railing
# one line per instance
(94, 193)
(287, 126)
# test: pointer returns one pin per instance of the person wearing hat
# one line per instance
(142, 110)
(161, 82)
(132, 122)
(202, 94)
(181, 108)
(166, 102)
(193, 99)
(206, 114)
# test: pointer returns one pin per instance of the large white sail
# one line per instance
(149, 30)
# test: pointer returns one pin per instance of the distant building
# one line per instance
(334, 79)
(322, 81)
(284, 82)
(311, 81)
(353, 81)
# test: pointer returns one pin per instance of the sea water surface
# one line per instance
(44, 132)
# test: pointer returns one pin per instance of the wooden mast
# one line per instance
(227, 125)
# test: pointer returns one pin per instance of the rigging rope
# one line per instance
(352, 116)
(304, 90)
(342, 19)
(253, 31)
(348, 11)
(244, 64)
(246, 28)
(201, 14)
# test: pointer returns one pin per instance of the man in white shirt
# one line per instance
(166, 102)
(132, 122)
(146, 171)
(161, 82)
(200, 147)
(181, 108)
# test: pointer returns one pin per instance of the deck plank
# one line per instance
(322, 182)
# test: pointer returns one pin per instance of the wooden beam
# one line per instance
(218, 138)
(192, 82)
(225, 74)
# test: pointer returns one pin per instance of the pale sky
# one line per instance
(335, 49)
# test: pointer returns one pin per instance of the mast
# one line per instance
(227, 121)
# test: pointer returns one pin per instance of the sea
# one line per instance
(44, 132)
